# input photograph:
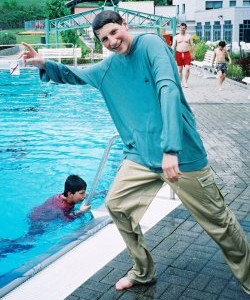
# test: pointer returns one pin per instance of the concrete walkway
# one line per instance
(189, 264)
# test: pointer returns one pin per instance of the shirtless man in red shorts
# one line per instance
(183, 44)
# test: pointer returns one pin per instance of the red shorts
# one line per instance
(183, 58)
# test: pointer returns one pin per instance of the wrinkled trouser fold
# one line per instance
(133, 190)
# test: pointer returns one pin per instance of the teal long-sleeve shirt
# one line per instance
(144, 97)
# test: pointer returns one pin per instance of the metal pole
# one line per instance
(100, 168)
(56, 35)
(172, 194)
(173, 25)
(47, 32)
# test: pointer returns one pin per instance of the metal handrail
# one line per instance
(100, 168)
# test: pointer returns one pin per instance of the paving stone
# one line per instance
(179, 247)
(114, 276)
(111, 294)
(235, 294)
(130, 295)
(125, 266)
(164, 253)
(87, 294)
(99, 287)
(72, 297)
(200, 282)
(173, 292)
(216, 272)
(166, 244)
(194, 294)
(162, 267)
(102, 273)
(197, 228)
(184, 233)
(216, 286)
(177, 276)
(198, 254)
(155, 291)
(123, 256)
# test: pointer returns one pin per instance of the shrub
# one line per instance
(196, 39)
(235, 72)
(200, 50)
(235, 55)
(245, 65)
(7, 38)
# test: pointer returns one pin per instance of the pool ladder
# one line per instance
(101, 167)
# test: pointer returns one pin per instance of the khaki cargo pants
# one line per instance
(133, 190)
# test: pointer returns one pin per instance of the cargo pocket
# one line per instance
(212, 198)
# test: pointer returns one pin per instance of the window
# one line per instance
(232, 3)
(216, 31)
(177, 9)
(246, 3)
(199, 29)
(207, 31)
(227, 32)
(244, 31)
(214, 4)
(183, 8)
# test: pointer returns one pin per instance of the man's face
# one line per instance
(115, 37)
(78, 196)
(183, 29)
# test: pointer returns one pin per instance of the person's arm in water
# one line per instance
(84, 208)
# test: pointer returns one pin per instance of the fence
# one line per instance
(35, 25)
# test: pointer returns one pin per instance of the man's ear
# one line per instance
(70, 195)
(124, 22)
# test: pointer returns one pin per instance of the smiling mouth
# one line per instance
(116, 47)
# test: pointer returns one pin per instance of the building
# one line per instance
(216, 20)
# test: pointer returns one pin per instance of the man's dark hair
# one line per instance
(105, 17)
(74, 184)
(222, 44)
(184, 24)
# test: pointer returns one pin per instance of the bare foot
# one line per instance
(123, 284)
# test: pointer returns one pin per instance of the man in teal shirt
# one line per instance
(141, 87)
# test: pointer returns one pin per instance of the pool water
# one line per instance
(47, 132)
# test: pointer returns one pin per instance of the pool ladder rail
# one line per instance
(101, 168)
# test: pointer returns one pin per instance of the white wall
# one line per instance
(190, 7)
(165, 11)
(142, 6)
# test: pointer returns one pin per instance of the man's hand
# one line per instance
(170, 167)
(30, 57)
(82, 210)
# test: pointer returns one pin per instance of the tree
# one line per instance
(56, 9)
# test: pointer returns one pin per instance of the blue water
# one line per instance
(47, 132)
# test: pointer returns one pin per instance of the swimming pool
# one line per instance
(48, 131)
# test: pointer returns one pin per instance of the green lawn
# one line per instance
(30, 39)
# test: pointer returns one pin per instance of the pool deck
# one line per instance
(189, 264)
